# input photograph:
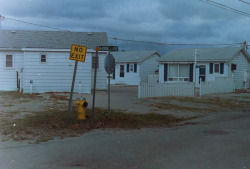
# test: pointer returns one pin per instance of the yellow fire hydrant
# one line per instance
(82, 104)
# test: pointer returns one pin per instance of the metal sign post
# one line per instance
(109, 66)
(77, 53)
(93, 103)
(72, 89)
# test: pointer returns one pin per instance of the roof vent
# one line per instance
(13, 32)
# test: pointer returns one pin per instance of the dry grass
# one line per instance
(194, 104)
(45, 126)
(58, 96)
(50, 122)
(19, 95)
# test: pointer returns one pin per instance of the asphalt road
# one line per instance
(217, 141)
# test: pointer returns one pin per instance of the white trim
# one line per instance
(52, 50)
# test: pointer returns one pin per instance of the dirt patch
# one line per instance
(199, 105)
(44, 126)
(41, 117)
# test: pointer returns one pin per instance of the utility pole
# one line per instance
(245, 46)
(115, 41)
(1, 18)
(0, 21)
(195, 65)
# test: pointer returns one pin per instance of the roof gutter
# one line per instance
(10, 49)
(209, 61)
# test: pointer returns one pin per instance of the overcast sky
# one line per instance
(165, 21)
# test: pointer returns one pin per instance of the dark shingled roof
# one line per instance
(133, 56)
(204, 54)
(51, 39)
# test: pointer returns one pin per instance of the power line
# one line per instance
(128, 40)
(45, 26)
(173, 44)
(226, 7)
(244, 2)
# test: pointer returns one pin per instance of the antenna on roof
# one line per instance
(245, 46)
(1, 18)
(115, 41)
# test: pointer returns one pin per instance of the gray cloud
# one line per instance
(171, 21)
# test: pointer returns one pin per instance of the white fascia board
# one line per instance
(175, 62)
(10, 49)
(50, 50)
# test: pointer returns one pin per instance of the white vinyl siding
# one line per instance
(149, 66)
(130, 78)
(134, 73)
(8, 76)
(57, 74)
(242, 66)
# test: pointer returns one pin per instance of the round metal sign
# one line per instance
(109, 63)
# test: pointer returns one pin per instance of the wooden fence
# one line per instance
(220, 85)
(146, 90)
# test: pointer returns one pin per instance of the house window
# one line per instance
(43, 59)
(183, 72)
(9, 61)
(233, 67)
(95, 60)
(178, 72)
(173, 73)
(131, 68)
(121, 70)
(216, 68)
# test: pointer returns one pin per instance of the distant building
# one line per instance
(133, 67)
(42, 58)
(178, 65)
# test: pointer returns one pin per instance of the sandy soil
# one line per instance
(122, 98)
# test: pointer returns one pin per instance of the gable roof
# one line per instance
(133, 56)
(51, 39)
(203, 54)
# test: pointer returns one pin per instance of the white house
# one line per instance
(133, 67)
(41, 58)
(178, 65)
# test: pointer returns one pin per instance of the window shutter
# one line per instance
(135, 67)
(165, 72)
(127, 67)
(191, 72)
(114, 74)
(211, 68)
(221, 68)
